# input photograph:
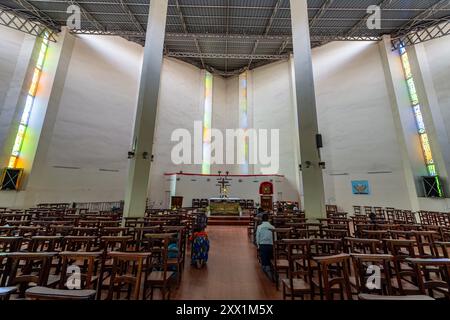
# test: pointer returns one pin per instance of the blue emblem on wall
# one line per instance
(361, 187)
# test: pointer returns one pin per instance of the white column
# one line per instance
(44, 115)
(14, 102)
(403, 116)
(312, 175)
(139, 169)
(296, 141)
(432, 116)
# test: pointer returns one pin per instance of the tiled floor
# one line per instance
(233, 272)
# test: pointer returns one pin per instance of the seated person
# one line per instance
(200, 248)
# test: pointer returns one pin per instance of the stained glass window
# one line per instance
(243, 119)
(207, 121)
(421, 128)
(24, 120)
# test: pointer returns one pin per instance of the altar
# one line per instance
(224, 207)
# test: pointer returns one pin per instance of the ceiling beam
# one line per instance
(353, 31)
(183, 23)
(418, 20)
(88, 16)
(223, 36)
(227, 56)
(39, 14)
(229, 36)
(24, 23)
(131, 16)
(313, 21)
(427, 32)
(320, 12)
(267, 30)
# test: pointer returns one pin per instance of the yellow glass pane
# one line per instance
(426, 148)
(12, 162)
(34, 82)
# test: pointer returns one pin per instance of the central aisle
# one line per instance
(233, 272)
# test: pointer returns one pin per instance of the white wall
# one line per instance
(273, 108)
(205, 187)
(87, 155)
(180, 105)
(355, 119)
(86, 160)
(438, 53)
(93, 125)
(10, 47)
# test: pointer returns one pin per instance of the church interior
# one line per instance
(224, 150)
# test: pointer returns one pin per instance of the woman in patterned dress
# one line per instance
(200, 248)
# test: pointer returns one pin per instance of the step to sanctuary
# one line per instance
(228, 221)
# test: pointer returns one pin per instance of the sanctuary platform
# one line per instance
(224, 207)
(225, 194)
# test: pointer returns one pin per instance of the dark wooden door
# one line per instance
(267, 203)
(177, 202)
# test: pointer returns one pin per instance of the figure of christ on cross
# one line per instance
(223, 183)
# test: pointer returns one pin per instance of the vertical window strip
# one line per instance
(207, 122)
(421, 129)
(243, 117)
(25, 118)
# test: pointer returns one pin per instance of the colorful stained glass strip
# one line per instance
(243, 119)
(419, 119)
(12, 162)
(207, 123)
(34, 82)
(25, 118)
(412, 91)
(406, 66)
(421, 128)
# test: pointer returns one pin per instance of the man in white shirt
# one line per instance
(264, 241)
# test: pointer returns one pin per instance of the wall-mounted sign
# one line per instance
(266, 188)
(360, 187)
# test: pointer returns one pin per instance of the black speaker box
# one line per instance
(432, 187)
(10, 179)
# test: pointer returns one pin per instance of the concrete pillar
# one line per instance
(312, 175)
(44, 115)
(139, 168)
(405, 127)
(431, 112)
(296, 140)
(14, 102)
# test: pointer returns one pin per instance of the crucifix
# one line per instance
(223, 183)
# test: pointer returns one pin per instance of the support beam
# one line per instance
(183, 23)
(312, 175)
(427, 32)
(267, 30)
(405, 127)
(88, 16)
(354, 30)
(139, 168)
(227, 56)
(318, 16)
(43, 119)
(23, 23)
(320, 12)
(418, 20)
(131, 16)
(43, 17)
